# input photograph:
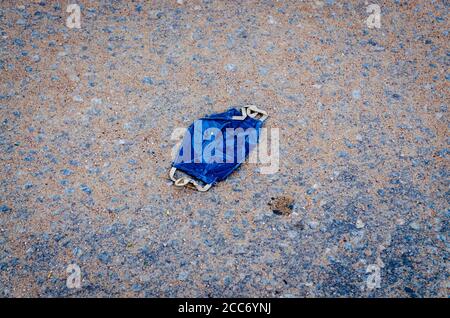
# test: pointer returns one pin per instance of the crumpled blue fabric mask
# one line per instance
(216, 145)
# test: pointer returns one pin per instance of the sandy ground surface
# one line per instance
(86, 120)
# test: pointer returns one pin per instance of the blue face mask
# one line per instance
(216, 145)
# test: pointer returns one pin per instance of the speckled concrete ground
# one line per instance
(86, 120)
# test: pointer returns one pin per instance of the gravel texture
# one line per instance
(86, 121)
